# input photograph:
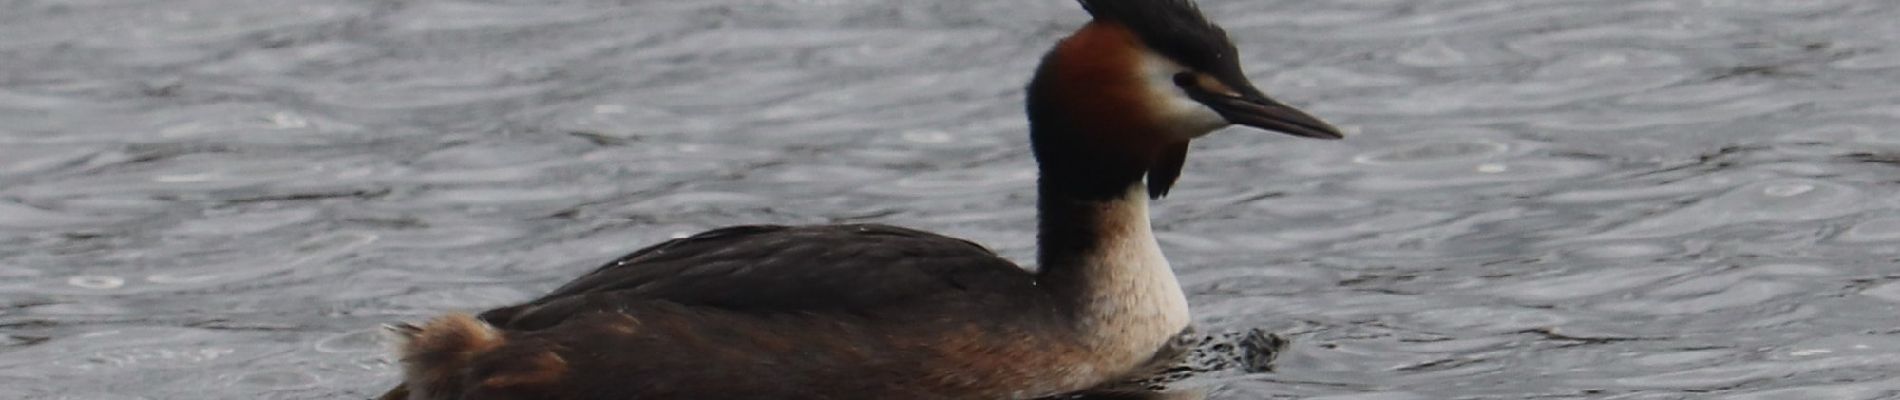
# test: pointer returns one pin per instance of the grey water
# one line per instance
(1541, 199)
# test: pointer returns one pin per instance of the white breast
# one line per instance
(1137, 305)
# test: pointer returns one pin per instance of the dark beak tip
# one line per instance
(1306, 128)
(1273, 116)
(1330, 133)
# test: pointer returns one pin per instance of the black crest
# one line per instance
(1174, 28)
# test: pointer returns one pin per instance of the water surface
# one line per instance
(1552, 199)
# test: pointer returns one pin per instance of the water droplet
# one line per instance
(1809, 352)
(96, 282)
(169, 278)
(610, 109)
(1787, 189)
(1626, 250)
(1433, 152)
(931, 137)
(286, 120)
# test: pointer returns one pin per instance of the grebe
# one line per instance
(882, 312)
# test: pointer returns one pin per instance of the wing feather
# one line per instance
(765, 269)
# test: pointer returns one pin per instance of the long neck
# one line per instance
(1082, 239)
(1101, 252)
(1096, 250)
(1099, 255)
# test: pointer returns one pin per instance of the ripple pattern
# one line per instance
(1616, 199)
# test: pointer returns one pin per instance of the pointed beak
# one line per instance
(1247, 106)
(1264, 113)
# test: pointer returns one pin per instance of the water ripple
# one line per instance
(1630, 199)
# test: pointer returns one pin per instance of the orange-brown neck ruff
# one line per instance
(1098, 82)
(1095, 132)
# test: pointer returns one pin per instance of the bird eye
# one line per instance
(1184, 79)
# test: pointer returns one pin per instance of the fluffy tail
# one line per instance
(436, 355)
(399, 392)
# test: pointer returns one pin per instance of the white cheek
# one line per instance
(1190, 119)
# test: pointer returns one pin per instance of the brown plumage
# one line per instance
(435, 354)
(880, 312)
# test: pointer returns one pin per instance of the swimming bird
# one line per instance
(882, 312)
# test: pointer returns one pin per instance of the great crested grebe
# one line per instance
(881, 312)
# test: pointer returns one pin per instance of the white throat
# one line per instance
(1134, 303)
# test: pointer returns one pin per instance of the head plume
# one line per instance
(1174, 28)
